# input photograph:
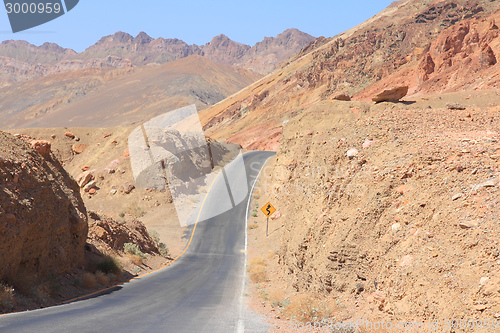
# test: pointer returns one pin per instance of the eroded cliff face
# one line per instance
(43, 220)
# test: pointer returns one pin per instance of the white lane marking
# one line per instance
(241, 322)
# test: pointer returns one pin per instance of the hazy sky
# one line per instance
(196, 22)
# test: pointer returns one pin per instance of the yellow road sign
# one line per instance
(268, 209)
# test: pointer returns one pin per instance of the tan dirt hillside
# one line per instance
(432, 46)
(112, 97)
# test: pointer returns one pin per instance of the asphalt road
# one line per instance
(200, 292)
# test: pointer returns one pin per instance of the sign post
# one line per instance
(268, 210)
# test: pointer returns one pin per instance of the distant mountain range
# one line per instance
(102, 97)
(20, 60)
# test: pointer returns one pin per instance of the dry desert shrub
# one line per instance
(102, 278)
(135, 210)
(307, 308)
(40, 292)
(109, 265)
(6, 296)
(89, 281)
(135, 254)
(136, 260)
(257, 270)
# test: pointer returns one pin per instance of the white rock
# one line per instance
(483, 280)
(84, 178)
(468, 224)
(396, 227)
(352, 152)
(368, 143)
(489, 183)
(87, 187)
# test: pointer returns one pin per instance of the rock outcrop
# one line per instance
(391, 95)
(43, 221)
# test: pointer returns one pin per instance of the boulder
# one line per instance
(90, 185)
(84, 178)
(42, 147)
(128, 187)
(79, 148)
(455, 106)
(342, 97)
(69, 135)
(352, 153)
(487, 56)
(391, 95)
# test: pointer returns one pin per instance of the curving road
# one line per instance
(200, 292)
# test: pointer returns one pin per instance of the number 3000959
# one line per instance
(32, 8)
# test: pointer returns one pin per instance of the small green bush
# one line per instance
(77, 282)
(133, 249)
(155, 236)
(162, 247)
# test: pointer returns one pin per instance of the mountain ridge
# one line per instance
(20, 60)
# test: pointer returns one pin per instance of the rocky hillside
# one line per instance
(431, 46)
(110, 97)
(21, 61)
(43, 221)
(384, 212)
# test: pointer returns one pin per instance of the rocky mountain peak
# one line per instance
(117, 37)
(142, 38)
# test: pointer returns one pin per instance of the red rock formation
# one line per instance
(487, 57)
(426, 67)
